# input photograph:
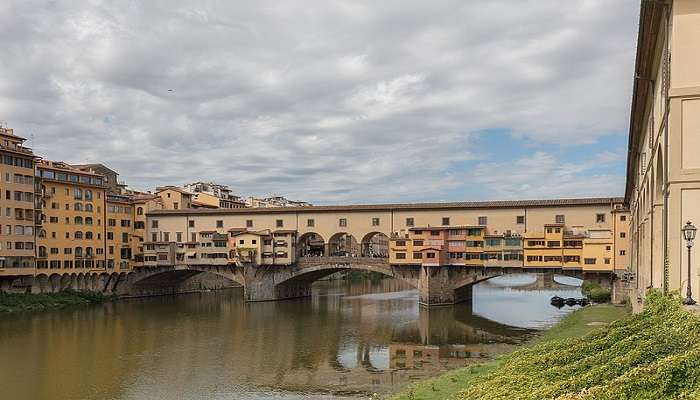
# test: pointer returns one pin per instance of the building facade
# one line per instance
(663, 166)
(19, 214)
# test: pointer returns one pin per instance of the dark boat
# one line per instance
(557, 301)
(571, 301)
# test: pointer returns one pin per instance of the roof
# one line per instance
(174, 188)
(196, 203)
(94, 166)
(284, 231)
(400, 207)
(650, 22)
(237, 229)
(64, 166)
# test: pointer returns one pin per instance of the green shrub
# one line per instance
(651, 355)
(599, 295)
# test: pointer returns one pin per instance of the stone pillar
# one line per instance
(434, 286)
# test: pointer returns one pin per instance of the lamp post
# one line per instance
(689, 235)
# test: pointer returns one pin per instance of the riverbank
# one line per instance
(31, 302)
(574, 325)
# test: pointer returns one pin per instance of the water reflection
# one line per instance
(348, 338)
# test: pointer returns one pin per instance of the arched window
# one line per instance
(42, 251)
(88, 235)
(78, 193)
(42, 233)
(78, 207)
(78, 220)
(88, 207)
(88, 252)
(139, 211)
(88, 220)
(88, 195)
(78, 251)
(78, 235)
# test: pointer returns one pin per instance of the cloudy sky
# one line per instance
(329, 101)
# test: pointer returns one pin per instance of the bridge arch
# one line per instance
(343, 244)
(375, 244)
(150, 280)
(311, 244)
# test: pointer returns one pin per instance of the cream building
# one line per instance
(663, 165)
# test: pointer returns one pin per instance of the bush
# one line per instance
(599, 295)
(651, 355)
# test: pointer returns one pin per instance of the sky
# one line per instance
(329, 101)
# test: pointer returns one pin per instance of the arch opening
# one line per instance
(343, 244)
(375, 245)
(311, 244)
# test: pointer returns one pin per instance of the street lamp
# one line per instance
(689, 235)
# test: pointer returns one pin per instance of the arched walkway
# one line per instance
(343, 244)
(375, 244)
(311, 244)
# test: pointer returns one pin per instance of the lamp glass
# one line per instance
(689, 231)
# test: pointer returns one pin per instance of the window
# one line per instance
(139, 225)
(417, 242)
(483, 221)
(176, 205)
(623, 218)
(400, 256)
(622, 252)
(88, 235)
(139, 211)
(178, 236)
(88, 207)
(607, 248)
(400, 243)
(249, 223)
(110, 236)
(343, 222)
(310, 222)
(219, 223)
(445, 220)
(623, 235)
(410, 222)
(154, 224)
(78, 235)
(241, 241)
(154, 237)
(589, 261)
(126, 223)
(78, 194)
(607, 261)
(125, 237)
(600, 218)
(111, 222)
(429, 255)
(375, 221)
(190, 223)
(166, 236)
(553, 243)
(78, 220)
(254, 241)
(417, 255)
(434, 233)
(560, 219)
(279, 223)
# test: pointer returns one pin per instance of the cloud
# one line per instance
(328, 101)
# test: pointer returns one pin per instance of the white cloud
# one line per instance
(324, 101)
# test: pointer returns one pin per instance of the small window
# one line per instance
(560, 219)
(607, 248)
(623, 235)
(410, 222)
(279, 223)
(520, 219)
(343, 222)
(191, 223)
(417, 242)
(622, 252)
(483, 220)
(375, 221)
(219, 223)
(600, 218)
(310, 222)
(623, 218)
(445, 220)
(249, 223)
(417, 255)
(589, 261)
(400, 243)
(430, 255)
(241, 241)
(254, 241)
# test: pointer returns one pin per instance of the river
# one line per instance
(347, 340)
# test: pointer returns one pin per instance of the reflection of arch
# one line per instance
(343, 244)
(375, 244)
(311, 244)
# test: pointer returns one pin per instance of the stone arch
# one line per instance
(42, 282)
(145, 277)
(54, 283)
(311, 244)
(93, 282)
(375, 244)
(80, 281)
(102, 281)
(343, 244)
(65, 282)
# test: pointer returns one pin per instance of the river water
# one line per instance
(347, 340)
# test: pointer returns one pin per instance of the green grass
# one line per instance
(25, 302)
(574, 325)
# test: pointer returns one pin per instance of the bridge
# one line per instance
(436, 285)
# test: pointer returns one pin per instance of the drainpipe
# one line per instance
(667, 103)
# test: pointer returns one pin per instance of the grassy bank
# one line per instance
(23, 302)
(574, 325)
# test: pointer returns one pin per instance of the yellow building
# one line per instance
(663, 166)
(143, 203)
(19, 212)
(445, 245)
(174, 198)
(73, 220)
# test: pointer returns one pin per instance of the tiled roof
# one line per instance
(399, 207)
